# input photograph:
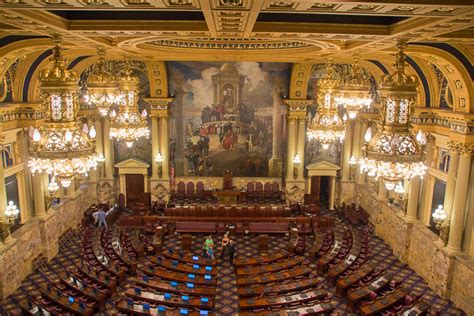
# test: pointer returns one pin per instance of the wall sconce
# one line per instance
(159, 163)
(11, 213)
(439, 218)
(296, 164)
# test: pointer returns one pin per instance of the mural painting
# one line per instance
(223, 116)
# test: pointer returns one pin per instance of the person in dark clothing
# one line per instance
(231, 251)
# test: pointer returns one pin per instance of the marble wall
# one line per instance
(40, 236)
(449, 275)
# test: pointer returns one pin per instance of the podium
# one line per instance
(227, 185)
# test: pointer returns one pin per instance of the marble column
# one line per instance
(122, 184)
(332, 192)
(291, 147)
(3, 193)
(99, 146)
(460, 200)
(274, 164)
(356, 144)
(23, 205)
(450, 184)
(108, 151)
(38, 194)
(164, 146)
(154, 147)
(346, 153)
(413, 197)
(301, 147)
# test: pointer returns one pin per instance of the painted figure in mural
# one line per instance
(228, 140)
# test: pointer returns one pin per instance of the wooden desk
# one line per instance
(162, 286)
(278, 288)
(179, 277)
(274, 277)
(228, 196)
(175, 300)
(137, 309)
(261, 260)
(344, 283)
(85, 272)
(270, 268)
(188, 258)
(265, 302)
(63, 302)
(382, 303)
(360, 293)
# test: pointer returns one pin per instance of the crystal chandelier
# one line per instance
(128, 124)
(102, 86)
(59, 147)
(327, 126)
(354, 93)
(394, 153)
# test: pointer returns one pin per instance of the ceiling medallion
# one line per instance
(230, 43)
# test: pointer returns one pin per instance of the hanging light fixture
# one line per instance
(327, 126)
(60, 148)
(128, 124)
(354, 93)
(102, 86)
(394, 153)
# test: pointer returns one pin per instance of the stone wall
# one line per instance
(462, 286)
(40, 236)
(450, 276)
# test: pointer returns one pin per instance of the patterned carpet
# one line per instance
(226, 301)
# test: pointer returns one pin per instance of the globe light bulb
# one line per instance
(92, 132)
(368, 135)
(85, 129)
(68, 136)
(36, 135)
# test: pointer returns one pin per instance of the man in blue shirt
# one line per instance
(101, 216)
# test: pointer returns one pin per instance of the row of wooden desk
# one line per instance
(179, 277)
(189, 258)
(282, 300)
(177, 266)
(179, 287)
(271, 267)
(356, 295)
(324, 308)
(260, 260)
(343, 283)
(382, 303)
(137, 309)
(275, 277)
(279, 288)
(171, 299)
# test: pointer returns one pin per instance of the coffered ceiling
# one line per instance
(262, 30)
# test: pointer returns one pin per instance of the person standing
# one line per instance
(224, 245)
(231, 251)
(209, 244)
(102, 217)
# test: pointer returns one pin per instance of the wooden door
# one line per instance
(316, 187)
(134, 185)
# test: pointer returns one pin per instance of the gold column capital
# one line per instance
(461, 148)
(159, 107)
(297, 108)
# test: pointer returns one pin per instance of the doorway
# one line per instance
(135, 185)
(320, 189)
